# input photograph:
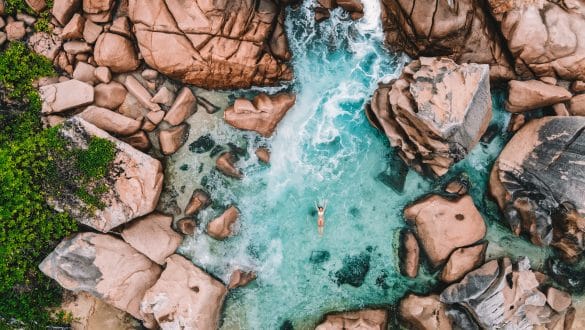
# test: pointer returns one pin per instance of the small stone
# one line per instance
(155, 116)
(63, 10)
(141, 94)
(187, 226)
(150, 74)
(103, 74)
(110, 121)
(65, 95)
(36, 5)
(184, 106)
(110, 95)
(459, 185)
(15, 30)
(163, 96)
(45, 44)
(578, 86)
(200, 199)
(577, 105)
(220, 228)
(84, 72)
(138, 140)
(263, 155)
(173, 138)
(226, 165)
(77, 47)
(321, 14)
(27, 19)
(74, 29)
(560, 109)
(240, 278)
(91, 31)
(115, 52)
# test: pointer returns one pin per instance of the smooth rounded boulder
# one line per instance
(184, 297)
(221, 227)
(115, 52)
(104, 266)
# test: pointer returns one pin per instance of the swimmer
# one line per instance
(321, 217)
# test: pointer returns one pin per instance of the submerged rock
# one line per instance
(409, 254)
(263, 155)
(354, 270)
(537, 182)
(318, 257)
(435, 113)
(261, 115)
(187, 226)
(104, 266)
(134, 183)
(367, 319)
(203, 144)
(458, 29)
(185, 297)
(226, 165)
(502, 295)
(443, 225)
(199, 200)
(395, 174)
(153, 236)
(234, 44)
(240, 278)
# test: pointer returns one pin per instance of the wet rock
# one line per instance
(321, 14)
(409, 254)
(460, 30)
(153, 236)
(99, 11)
(91, 262)
(88, 312)
(443, 225)
(199, 200)
(261, 115)
(110, 95)
(184, 106)
(354, 270)
(185, 297)
(263, 155)
(459, 185)
(533, 94)
(221, 227)
(435, 113)
(424, 313)
(74, 29)
(134, 189)
(138, 140)
(65, 95)
(536, 182)
(173, 138)
(110, 121)
(318, 257)
(203, 144)
(463, 260)
(63, 10)
(545, 38)
(395, 174)
(501, 294)
(213, 45)
(187, 226)
(226, 165)
(15, 30)
(116, 53)
(240, 278)
(367, 319)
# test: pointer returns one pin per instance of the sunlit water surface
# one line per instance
(324, 150)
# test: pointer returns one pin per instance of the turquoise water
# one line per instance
(324, 150)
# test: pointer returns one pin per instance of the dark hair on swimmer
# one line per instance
(320, 208)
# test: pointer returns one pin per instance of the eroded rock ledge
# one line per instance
(229, 44)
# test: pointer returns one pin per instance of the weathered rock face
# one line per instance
(537, 182)
(502, 295)
(226, 165)
(462, 261)
(435, 113)
(222, 226)
(261, 115)
(90, 313)
(533, 94)
(443, 225)
(367, 319)
(104, 266)
(199, 200)
(424, 313)
(136, 181)
(185, 297)
(546, 38)
(153, 236)
(116, 53)
(225, 44)
(66, 95)
(434, 28)
(240, 278)
(110, 121)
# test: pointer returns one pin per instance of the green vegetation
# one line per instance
(34, 164)
(43, 18)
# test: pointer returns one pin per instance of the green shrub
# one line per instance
(43, 18)
(34, 164)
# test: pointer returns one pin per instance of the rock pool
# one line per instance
(323, 151)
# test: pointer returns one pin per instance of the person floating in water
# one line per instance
(321, 217)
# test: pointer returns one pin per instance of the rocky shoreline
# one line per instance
(133, 72)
